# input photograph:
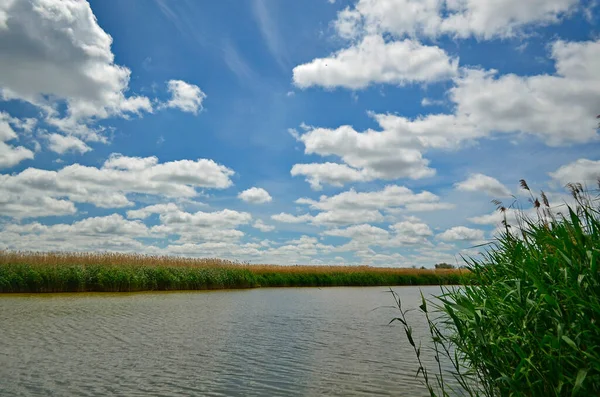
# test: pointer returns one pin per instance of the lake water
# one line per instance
(260, 342)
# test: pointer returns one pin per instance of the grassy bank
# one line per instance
(70, 272)
(532, 327)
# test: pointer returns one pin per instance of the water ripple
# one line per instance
(276, 342)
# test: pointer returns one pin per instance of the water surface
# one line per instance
(260, 342)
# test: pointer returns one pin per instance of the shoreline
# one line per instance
(54, 273)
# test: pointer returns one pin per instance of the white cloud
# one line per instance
(410, 233)
(458, 18)
(390, 197)
(61, 144)
(331, 173)
(422, 207)
(334, 217)
(374, 61)
(145, 212)
(485, 105)
(582, 171)
(215, 249)
(109, 185)
(392, 153)
(263, 227)
(223, 218)
(361, 237)
(296, 251)
(11, 155)
(194, 227)
(56, 51)
(412, 228)
(359, 232)
(289, 218)
(483, 183)
(504, 18)
(185, 97)
(338, 217)
(33, 206)
(461, 233)
(495, 217)
(255, 195)
(535, 104)
(97, 233)
(354, 208)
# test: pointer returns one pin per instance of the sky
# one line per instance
(372, 132)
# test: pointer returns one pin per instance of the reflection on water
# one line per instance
(263, 342)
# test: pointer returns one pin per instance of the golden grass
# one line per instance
(42, 259)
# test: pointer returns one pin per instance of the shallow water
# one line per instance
(263, 342)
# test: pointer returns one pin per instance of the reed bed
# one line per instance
(116, 272)
(528, 324)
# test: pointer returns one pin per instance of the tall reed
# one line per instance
(529, 323)
(75, 272)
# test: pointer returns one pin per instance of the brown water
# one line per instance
(261, 342)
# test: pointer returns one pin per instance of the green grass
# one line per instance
(56, 272)
(529, 323)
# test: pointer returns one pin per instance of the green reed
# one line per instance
(528, 325)
(25, 275)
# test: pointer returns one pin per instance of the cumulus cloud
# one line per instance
(289, 218)
(255, 195)
(485, 104)
(410, 232)
(354, 208)
(61, 144)
(374, 61)
(111, 232)
(461, 233)
(432, 18)
(194, 227)
(57, 53)
(109, 186)
(21, 206)
(483, 183)
(361, 237)
(364, 231)
(330, 173)
(338, 217)
(185, 97)
(145, 212)
(391, 196)
(11, 155)
(364, 236)
(202, 226)
(582, 171)
(536, 104)
(263, 227)
(395, 152)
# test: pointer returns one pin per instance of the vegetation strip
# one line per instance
(72, 272)
(528, 324)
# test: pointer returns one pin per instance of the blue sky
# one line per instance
(358, 132)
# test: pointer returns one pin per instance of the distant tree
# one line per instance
(444, 265)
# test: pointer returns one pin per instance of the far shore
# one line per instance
(109, 272)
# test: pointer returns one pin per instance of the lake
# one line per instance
(259, 342)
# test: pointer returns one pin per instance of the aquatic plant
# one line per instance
(74, 272)
(528, 324)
